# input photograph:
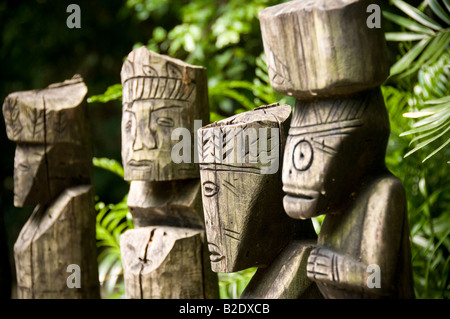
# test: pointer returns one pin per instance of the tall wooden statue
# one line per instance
(323, 53)
(55, 254)
(165, 255)
(246, 225)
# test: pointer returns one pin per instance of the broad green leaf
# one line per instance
(113, 92)
(109, 165)
(417, 15)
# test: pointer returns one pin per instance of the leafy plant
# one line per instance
(419, 89)
(232, 285)
(430, 59)
(111, 222)
(433, 98)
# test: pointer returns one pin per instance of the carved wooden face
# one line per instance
(241, 211)
(159, 96)
(330, 147)
(146, 137)
(246, 225)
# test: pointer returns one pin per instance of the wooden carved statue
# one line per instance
(55, 253)
(323, 54)
(246, 225)
(165, 255)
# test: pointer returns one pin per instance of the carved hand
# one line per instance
(323, 265)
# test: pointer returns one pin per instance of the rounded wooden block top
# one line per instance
(322, 48)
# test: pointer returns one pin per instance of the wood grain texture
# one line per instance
(51, 115)
(172, 203)
(52, 239)
(322, 48)
(285, 277)
(380, 215)
(163, 263)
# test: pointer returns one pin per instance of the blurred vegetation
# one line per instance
(224, 36)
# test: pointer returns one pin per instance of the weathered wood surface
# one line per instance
(246, 225)
(163, 263)
(42, 172)
(172, 203)
(322, 47)
(332, 145)
(52, 239)
(286, 277)
(53, 170)
(161, 94)
(50, 115)
(334, 157)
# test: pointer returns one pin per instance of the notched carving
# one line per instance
(11, 114)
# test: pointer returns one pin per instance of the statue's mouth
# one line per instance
(301, 204)
(303, 194)
(215, 256)
(140, 164)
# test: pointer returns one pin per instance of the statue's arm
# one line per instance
(380, 244)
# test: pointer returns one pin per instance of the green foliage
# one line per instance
(109, 165)
(224, 37)
(432, 98)
(419, 89)
(113, 92)
(232, 285)
(429, 61)
(112, 221)
(434, 38)
(428, 188)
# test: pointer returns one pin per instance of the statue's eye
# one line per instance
(210, 189)
(303, 155)
(165, 121)
(23, 166)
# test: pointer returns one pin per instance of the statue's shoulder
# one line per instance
(386, 195)
(388, 184)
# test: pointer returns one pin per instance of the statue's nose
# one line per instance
(145, 139)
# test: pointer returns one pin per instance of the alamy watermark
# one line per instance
(374, 19)
(374, 279)
(74, 19)
(74, 279)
